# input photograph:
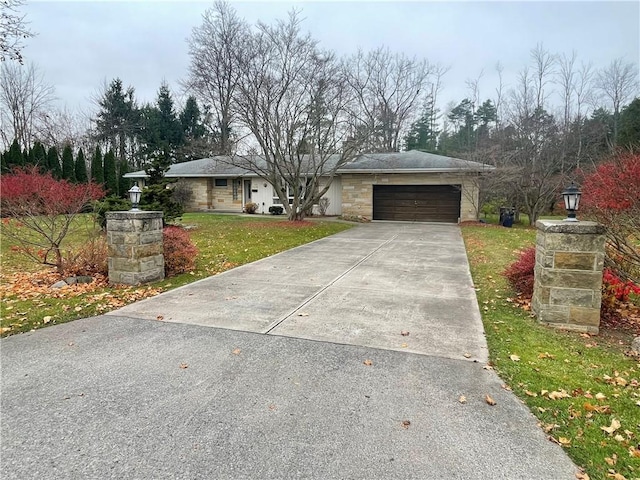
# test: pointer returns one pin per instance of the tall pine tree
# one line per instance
(97, 170)
(80, 168)
(13, 157)
(68, 167)
(123, 183)
(53, 162)
(110, 176)
(38, 156)
(162, 135)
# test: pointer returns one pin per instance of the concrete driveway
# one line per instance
(361, 287)
(127, 396)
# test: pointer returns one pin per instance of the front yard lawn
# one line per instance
(223, 241)
(584, 389)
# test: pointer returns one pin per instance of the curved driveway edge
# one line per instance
(364, 286)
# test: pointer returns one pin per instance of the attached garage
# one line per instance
(417, 203)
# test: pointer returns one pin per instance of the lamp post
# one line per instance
(571, 197)
(134, 195)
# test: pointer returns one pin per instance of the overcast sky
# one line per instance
(81, 44)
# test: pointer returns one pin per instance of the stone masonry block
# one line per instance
(151, 237)
(147, 250)
(555, 314)
(570, 278)
(124, 264)
(117, 250)
(573, 242)
(584, 316)
(571, 296)
(575, 260)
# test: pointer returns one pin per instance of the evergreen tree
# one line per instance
(38, 156)
(123, 183)
(53, 162)
(68, 167)
(97, 169)
(80, 168)
(196, 142)
(110, 175)
(4, 167)
(422, 136)
(162, 135)
(629, 135)
(13, 157)
(118, 120)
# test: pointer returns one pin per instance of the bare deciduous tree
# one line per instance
(617, 84)
(213, 73)
(544, 64)
(388, 89)
(25, 99)
(13, 29)
(293, 98)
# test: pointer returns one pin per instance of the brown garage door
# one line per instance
(416, 203)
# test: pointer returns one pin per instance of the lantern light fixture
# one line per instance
(571, 196)
(134, 195)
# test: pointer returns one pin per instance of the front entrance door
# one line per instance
(246, 188)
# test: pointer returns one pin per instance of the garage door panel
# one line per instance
(426, 203)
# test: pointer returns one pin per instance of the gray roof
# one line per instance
(412, 161)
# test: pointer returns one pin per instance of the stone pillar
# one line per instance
(568, 274)
(134, 239)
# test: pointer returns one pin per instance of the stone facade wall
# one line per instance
(357, 190)
(135, 250)
(200, 194)
(206, 196)
(568, 274)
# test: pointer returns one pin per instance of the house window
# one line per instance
(221, 182)
(236, 188)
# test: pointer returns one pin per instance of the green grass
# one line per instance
(555, 361)
(223, 242)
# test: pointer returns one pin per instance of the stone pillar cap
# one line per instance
(560, 226)
(122, 215)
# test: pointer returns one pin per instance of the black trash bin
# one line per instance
(507, 215)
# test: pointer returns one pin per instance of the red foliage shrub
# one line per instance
(27, 192)
(520, 273)
(40, 211)
(615, 292)
(611, 196)
(614, 185)
(179, 251)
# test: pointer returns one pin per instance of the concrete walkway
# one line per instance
(127, 396)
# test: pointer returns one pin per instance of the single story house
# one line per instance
(400, 186)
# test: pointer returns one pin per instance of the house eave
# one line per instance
(414, 170)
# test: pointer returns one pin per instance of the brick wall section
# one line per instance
(568, 274)
(357, 190)
(135, 250)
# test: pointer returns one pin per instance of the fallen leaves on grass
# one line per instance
(615, 425)
(597, 408)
